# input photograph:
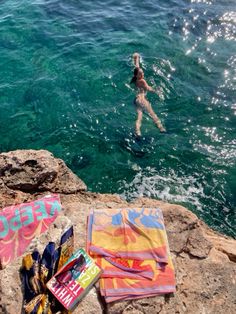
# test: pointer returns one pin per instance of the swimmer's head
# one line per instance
(138, 74)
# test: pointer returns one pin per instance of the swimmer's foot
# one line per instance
(162, 129)
(159, 125)
(138, 135)
(138, 138)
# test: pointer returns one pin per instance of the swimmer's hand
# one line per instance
(136, 58)
(157, 91)
(153, 90)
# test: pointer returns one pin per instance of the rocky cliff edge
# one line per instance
(205, 262)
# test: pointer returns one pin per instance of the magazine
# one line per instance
(74, 279)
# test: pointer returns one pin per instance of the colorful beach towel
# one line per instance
(114, 288)
(20, 224)
(131, 247)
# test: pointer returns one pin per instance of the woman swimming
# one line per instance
(141, 103)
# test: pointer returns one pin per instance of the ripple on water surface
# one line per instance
(65, 72)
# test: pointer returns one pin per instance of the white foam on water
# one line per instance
(171, 188)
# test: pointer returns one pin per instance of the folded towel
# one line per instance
(115, 288)
(131, 247)
(124, 268)
(128, 233)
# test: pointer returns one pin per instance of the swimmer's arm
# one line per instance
(147, 87)
(136, 59)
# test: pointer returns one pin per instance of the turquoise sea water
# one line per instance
(64, 86)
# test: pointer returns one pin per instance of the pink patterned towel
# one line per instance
(20, 224)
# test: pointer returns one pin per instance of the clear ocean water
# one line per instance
(64, 86)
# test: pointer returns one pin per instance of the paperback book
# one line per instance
(74, 279)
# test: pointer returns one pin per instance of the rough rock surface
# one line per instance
(31, 171)
(204, 260)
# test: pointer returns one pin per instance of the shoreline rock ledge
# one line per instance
(205, 261)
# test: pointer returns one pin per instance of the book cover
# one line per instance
(74, 279)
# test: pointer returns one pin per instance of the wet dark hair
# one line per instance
(134, 78)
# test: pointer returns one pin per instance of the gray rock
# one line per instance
(32, 171)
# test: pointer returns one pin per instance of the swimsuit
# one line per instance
(140, 101)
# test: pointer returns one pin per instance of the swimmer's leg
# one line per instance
(138, 122)
(155, 118)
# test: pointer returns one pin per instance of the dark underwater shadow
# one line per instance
(138, 146)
